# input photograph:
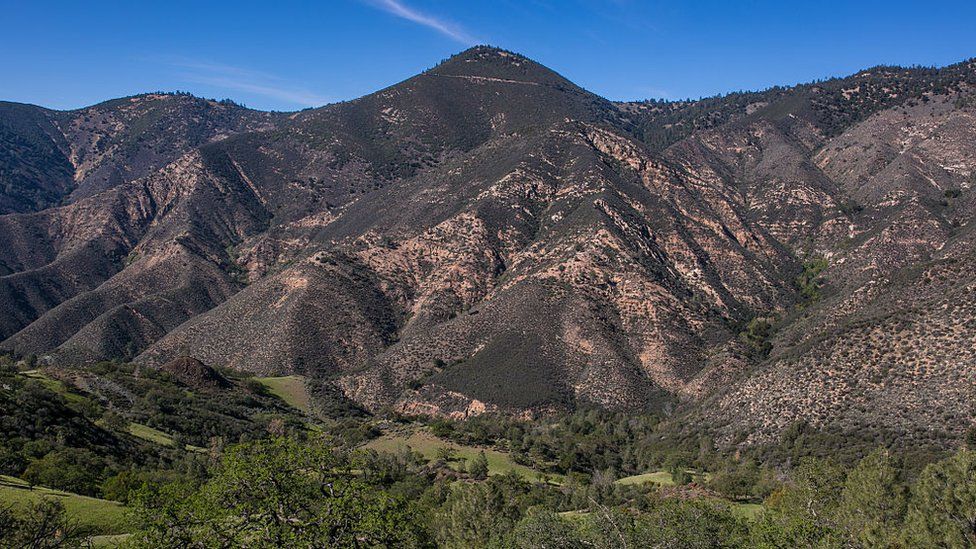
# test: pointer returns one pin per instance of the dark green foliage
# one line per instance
(743, 480)
(114, 421)
(544, 528)
(123, 486)
(803, 512)
(42, 525)
(678, 469)
(809, 283)
(871, 506)
(756, 337)
(255, 387)
(662, 523)
(480, 515)
(873, 501)
(696, 523)
(70, 469)
(155, 398)
(971, 438)
(296, 491)
(942, 510)
(585, 441)
(37, 423)
(279, 493)
(56, 436)
(479, 467)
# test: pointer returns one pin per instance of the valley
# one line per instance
(485, 307)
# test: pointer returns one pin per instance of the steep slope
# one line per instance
(891, 345)
(51, 256)
(514, 197)
(125, 139)
(296, 182)
(487, 236)
(34, 171)
(50, 157)
(872, 175)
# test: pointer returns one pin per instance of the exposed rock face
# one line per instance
(489, 237)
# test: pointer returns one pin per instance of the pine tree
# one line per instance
(943, 505)
(873, 503)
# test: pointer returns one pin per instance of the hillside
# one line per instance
(489, 237)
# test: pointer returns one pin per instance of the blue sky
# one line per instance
(288, 55)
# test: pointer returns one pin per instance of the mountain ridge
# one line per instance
(488, 237)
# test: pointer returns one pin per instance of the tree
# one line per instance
(480, 514)
(544, 529)
(75, 470)
(802, 513)
(277, 493)
(971, 432)
(873, 502)
(445, 453)
(479, 466)
(680, 477)
(689, 524)
(123, 486)
(115, 421)
(756, 337)
(43, 525)
(942, 512)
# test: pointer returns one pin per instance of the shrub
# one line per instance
(71, 469)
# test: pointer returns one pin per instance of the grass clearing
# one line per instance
(146, 432)
(95, 516)
(661, 478)
(47, 382)
(290, 389)
(55, 386)
(428, 445)
(748, 511)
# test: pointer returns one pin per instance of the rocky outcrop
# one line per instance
(195, 373)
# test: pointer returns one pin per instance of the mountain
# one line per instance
(49, 158)
(489, 237)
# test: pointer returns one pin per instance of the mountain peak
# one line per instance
(485, 51)
(495, 63)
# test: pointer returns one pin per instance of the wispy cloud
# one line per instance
(239, 79)
(657, 93)
(443, 26)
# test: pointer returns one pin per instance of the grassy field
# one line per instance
(146, 432)
(51, 384)
(748, 511)
(54, 385)
(96, 516)
(428, 445)
(291, 389)
(662, 478)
